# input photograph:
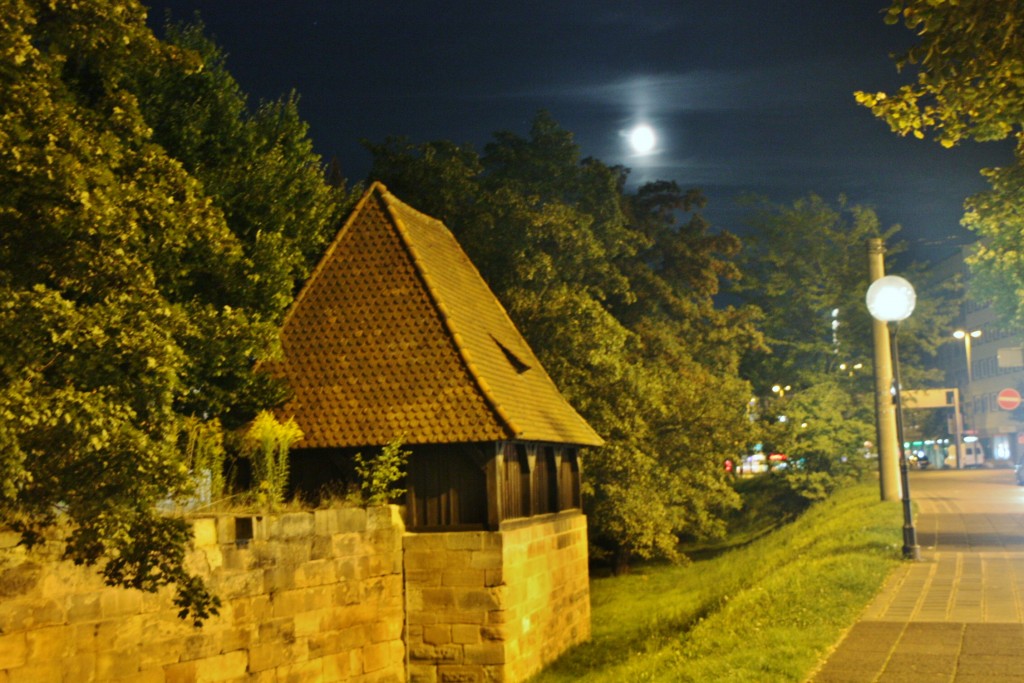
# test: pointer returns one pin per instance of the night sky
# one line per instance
(743, 95)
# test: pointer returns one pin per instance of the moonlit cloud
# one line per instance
(744, 95)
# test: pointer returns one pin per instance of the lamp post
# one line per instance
(967, 336)
(891, 299)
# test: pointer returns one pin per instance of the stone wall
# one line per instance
(311, 596)
(496, 606)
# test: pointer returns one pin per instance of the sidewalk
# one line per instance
(958, 613)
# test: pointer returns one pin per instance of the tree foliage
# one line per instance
(969, 68)
(266, 442)
(997, 263)
(616, 296)
(139, 279)
(806, 265)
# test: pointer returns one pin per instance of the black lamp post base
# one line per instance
(911, 550)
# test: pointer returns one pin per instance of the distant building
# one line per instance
(984, 361)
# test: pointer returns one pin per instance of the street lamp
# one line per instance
(967, 336)
(891, 299)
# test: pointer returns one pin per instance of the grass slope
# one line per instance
(767, 611)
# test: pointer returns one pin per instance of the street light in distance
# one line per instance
(967, 337)
(891, 299)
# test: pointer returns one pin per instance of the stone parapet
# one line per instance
(330, 595)
(307, 596)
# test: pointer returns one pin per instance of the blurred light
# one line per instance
(891, 299)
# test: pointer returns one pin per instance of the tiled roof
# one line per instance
(397, 334)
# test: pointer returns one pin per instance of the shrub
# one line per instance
(266, 443)
(379, 474)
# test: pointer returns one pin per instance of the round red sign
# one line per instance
(1008, 399)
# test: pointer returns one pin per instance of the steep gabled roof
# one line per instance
(396, 334)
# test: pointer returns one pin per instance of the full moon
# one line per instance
(642, 139)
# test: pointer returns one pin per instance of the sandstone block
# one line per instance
(436, 599)
(308, 623)
(486, 559)
(266, 656)
(288, 603)
(376, 657)
(50, 643)
(484, 599)
(463, 577)
(426, 560)
(95, 637)
(237, 638)
(388, 627)
(34, 672)
(214, 557)
(13, 650)
(277, 631)
(460, 674)
(436, 653)
(396, 650)
(9, 539)
(419, 617)
(296, 525)
(278, 577)
(385, 516)
(351, 638)
(241, 584)
(83, 607)
(182, 672)
(440, 634)
(19, 579)
(315, 573)
(117, 664)
(418, 541)
(336, 667)
(487, 652)
(26, 613)
(79, 667)
(120, 602)
(147, 676)
(300, 672)
(467, 540)
(204, 531)
(422, 674)
(466, 633)
(222, 667)
(158, 654)
(198, 646)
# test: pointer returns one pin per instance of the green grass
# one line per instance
(766, 611)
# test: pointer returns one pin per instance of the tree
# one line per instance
(134, 296)
(616, 299)
(969, 65)
(997, 262)
(805, 265)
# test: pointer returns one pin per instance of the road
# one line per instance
(957, 615)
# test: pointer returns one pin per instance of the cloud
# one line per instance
(790, 86)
